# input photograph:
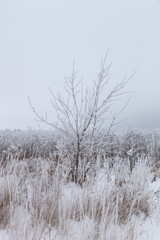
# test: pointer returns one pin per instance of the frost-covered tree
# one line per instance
(85, 117)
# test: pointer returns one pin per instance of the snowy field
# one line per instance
(38, 200)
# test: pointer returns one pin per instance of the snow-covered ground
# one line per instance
(91, 212)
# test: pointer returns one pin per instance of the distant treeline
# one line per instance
(45, 144)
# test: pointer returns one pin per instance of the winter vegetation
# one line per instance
(115, 200)
(81, 179)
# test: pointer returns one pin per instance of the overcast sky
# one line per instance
(40, 38)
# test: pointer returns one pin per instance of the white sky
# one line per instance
(40, 38)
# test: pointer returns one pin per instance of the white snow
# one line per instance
(144, 229)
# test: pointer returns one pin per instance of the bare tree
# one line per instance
(85, 118)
